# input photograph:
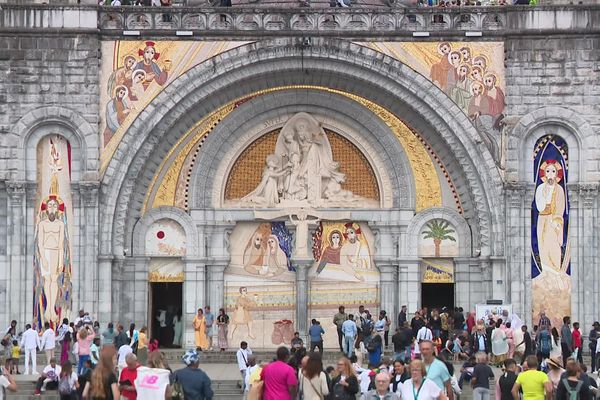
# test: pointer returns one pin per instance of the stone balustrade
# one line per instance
(247, 22)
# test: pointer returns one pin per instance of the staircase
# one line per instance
(224, 390)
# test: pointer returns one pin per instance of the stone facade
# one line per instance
(51, 84)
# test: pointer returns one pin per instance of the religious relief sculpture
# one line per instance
(302, 172)
(52, 253)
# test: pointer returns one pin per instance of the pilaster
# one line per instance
(16, 285)
(388, 289)
(302, 266)
(194, 295)
(104, 307)
(216, 285)
(88, 230)
(588, 265)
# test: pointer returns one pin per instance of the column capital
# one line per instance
(588, 192)
(16, 190)
(88, 190)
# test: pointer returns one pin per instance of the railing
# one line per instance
(352, 23)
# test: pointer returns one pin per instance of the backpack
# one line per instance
(573, 393)
(545, 344)
(64, 385)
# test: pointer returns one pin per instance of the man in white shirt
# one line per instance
(48, 342)
(79, 319)
(422, 334)
(7, 381)
(49, 378)
(249, 371)
(242, 359)
(29, 343)
(124, 350)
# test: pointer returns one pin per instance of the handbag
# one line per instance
(256, 391)
(177, 390)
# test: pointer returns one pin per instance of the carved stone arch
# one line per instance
(367, 132)
(576, 131)
(44, 121)
(463, 230)
(172, 213)
(339, 64)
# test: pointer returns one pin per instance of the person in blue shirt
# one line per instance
(315, 333)
(194, 381)
(349, 331)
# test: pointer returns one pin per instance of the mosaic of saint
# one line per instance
(471, 74)
(260, 284)
(550, 247)
(343, 272)
(52, 264)
(135, 72)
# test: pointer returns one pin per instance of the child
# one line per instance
(16, 353)
(457, 349)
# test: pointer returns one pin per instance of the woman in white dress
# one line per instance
(499, 343)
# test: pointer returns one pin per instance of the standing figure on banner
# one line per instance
(52, 260)
(550, 202)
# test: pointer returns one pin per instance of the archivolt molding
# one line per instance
(578, 133)
(463, 230)
(43, 121)
(385, 79)
(156, 214)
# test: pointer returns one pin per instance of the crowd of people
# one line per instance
(418, 360)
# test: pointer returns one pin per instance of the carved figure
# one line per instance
(302, 172)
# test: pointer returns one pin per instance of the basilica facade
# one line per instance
(147, 172)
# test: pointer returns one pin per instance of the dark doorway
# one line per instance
(437, 295)
(165, 313)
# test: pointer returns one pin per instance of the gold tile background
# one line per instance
(247, 170)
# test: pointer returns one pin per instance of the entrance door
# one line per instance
(166, 301)
(437, 295)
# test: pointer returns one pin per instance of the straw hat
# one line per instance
(554, 362)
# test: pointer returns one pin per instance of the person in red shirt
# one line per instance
(128, 377)
(280, 382)
(577, 342)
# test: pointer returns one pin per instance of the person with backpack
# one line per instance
(544, 341)
(571, 387)
(67, 382)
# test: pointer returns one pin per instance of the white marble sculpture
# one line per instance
(302, 172)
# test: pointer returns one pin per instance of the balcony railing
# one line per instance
(350, 22)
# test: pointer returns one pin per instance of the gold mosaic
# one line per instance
(247, 171)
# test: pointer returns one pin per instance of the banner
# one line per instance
(438, 270)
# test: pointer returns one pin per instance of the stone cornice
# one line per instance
(191, 23)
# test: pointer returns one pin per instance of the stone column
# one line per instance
(103, 307)
(117, 271)
(388, 288)
(465, 288)
(302, 266)
(588, 262)
(87, 263)
(216, 285)
(518, 275)
(194, 295)
(16, 255)
(411, 284)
